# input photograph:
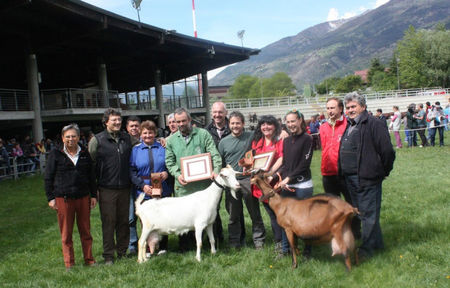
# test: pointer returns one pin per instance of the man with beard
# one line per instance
(366, 158)
(110, 150)
(232, 148)
(189, 141)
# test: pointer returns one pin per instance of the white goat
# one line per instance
(178, 215)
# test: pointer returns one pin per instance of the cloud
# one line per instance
(378, 3)
(333, 14)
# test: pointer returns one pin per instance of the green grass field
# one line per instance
(415, 221)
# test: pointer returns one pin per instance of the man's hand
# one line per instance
(165, 175)
(93, 203)
(52, 204)
(283, 134)
(181, 180)
(162, 141)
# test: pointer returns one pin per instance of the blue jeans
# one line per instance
(132, 245)
(368, 201)
(412, 139)
(300, 193)
(432, 132)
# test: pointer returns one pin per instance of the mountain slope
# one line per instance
(339, 48)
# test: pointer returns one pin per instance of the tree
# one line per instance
(437, 55)
(242, 86)
(412, 64)
(246, 86)
(327, 85)
(280, 84)
(348, 84)
(382, 81)
(375, 66)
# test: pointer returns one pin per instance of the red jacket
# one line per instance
(330, 138)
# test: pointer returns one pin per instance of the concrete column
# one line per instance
(159, 99)
(103, 84)
(33, 91)
(205, 97)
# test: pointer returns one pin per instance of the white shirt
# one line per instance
(74, 158)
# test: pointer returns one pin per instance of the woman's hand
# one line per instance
(147, 190)
(284, 183)
(52, 204)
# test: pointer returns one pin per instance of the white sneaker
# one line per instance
(148, 255)
(162, 252)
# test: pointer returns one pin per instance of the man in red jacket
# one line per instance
(331, 133)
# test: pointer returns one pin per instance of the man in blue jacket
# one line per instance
(366, 157)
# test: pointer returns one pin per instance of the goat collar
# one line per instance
(217, 183)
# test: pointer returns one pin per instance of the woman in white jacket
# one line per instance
(396, 121)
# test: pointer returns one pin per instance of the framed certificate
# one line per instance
(197, 167)
(263, 160)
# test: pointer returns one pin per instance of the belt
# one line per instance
(146, 177)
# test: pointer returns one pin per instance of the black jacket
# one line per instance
(211, 128)
(64, 179)
(113, 160)
(375, 156)
(297, 155)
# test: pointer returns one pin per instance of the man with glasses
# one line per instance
(110, 150)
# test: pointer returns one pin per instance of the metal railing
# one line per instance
(18, 167)
(15, 100)
(67, 98)
(320, 99)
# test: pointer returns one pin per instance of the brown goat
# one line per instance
(316, 220)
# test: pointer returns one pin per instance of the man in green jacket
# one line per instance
(189, 141)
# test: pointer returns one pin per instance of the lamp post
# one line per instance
(137, 5)
(240, 35)
(398, 78)
(260, 80)
(326, 81)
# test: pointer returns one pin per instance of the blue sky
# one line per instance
(264, 21)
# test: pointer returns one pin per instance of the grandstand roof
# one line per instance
(70, 39)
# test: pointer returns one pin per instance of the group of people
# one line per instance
(117, 166)
(418, 120)
(26, 153)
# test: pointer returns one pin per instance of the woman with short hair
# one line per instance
(71, 191)
(146, 158)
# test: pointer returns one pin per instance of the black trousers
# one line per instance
(368, 201)
(236, 225)
(335, 185)
(114, 211)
